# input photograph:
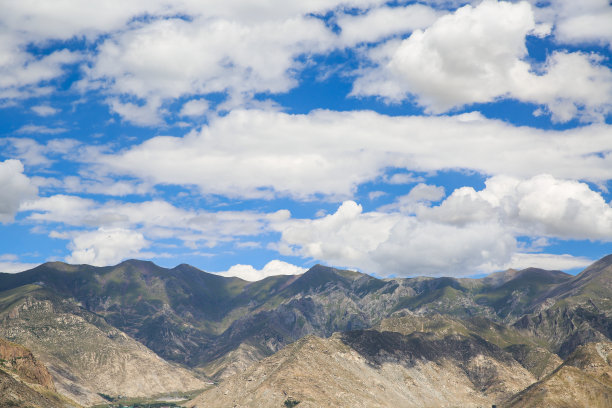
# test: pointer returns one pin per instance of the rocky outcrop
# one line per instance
(19, 359)
(584, 380)
(85, 356)
(15, 393)
(367, 368)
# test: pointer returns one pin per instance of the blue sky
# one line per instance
(396, 138)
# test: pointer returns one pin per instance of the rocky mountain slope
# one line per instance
(584, 380)
(220, 326)
(85, 356)
(374, 368)
(25, 382)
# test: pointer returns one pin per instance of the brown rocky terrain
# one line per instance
(370, 368)
(25, 381)
(85, 356)
(19, 359)
(584, 380)
(108, 330)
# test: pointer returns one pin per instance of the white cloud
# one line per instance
(15, 188)
(272, 268)
(262, 154)
(44, 110)
(106, 246)
(419, 195)
(383, 22)
(477, 55)
(33, 153)
(170, 58)
(194, 108)
(9, 263)
(396, 244)
(145, 114)
(470, 231)
(586, 21)
(539, 206)
(403, 178)
(232, 37)
(156, 220)
(37, 129)
(21, 73)
(548, 261)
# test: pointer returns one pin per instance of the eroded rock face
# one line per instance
(21, 360)
(368, 368)
(87, 357)
(583, 380)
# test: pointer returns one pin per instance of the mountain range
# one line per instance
(328, 337)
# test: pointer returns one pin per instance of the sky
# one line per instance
(251, 139)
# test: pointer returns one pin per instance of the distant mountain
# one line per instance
(220, 326)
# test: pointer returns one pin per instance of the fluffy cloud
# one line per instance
(155, 220)
(477, 55)
(383, 22)
(469, 231)
(33, 153)
(542, 206)
(16, 187)
(170, 58)
(583, 21)
(263, 154)
(195, 107)
(272, 268)
(159, 49)
(396, 244)
(105, 247)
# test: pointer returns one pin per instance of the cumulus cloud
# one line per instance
(583, 21)
(541, 205)
(162, 56)
(34, 153)
(272, 268)
(15, 188)
(106, 246)
(469, 231)
(169, 58)
(396, 244)
(478, 55)
(264, 154)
